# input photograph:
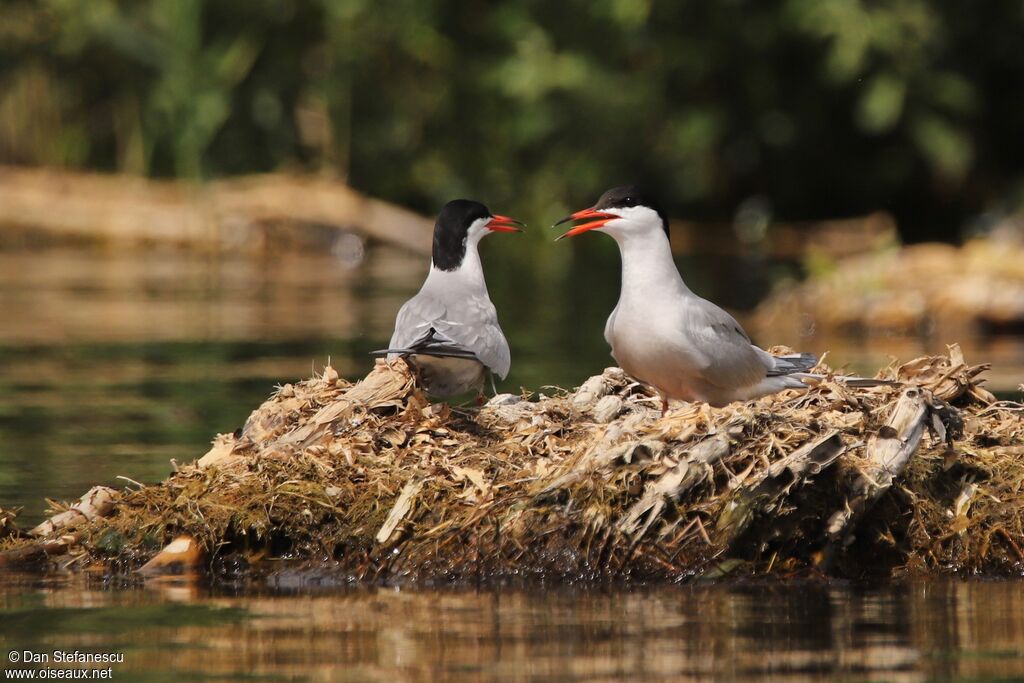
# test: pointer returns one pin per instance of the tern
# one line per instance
(449, 330)
(662, 333)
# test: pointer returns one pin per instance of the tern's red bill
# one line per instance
(595, 218)
(499, 223)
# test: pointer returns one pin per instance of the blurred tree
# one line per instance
(813, 107)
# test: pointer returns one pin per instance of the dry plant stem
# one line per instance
(673, 484)
(36, 550)
(402, 508)
(763, 497)
(886, 457)
(1013, 544)
(97, 502)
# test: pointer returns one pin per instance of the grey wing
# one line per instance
(414, 321)
(469, 324)
(722, 350)
(472, 323)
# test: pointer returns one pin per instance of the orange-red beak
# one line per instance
(591, 213)
(499, 223)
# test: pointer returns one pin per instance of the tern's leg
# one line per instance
(481, 397)
(664, 404)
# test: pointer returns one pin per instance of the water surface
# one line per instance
(294, 631)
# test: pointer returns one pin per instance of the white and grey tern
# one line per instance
(449, 330)
(666, 336)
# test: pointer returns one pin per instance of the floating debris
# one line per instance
(924, 287)
(378, 483)
(181, 556)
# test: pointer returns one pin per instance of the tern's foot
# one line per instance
(480, 400)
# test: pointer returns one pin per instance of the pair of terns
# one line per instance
(661, 333)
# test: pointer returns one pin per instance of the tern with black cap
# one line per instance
(450, 330)
(666, 336)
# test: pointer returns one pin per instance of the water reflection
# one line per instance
(792, 632)
(87, 296)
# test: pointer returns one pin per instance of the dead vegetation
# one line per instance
(247, 215)
(371, 478)
(925, 288)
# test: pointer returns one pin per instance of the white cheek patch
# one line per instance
(634, 213)
(478, 229)
(634, 219)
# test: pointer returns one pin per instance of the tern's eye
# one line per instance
(629, 201)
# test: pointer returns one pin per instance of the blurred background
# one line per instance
(200, 199)
(819, 109)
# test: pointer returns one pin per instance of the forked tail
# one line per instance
(792, 363)
(795, 366)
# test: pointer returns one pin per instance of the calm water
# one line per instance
(114, 364)
(934, 631)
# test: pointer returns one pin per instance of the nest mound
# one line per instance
(953, 290)
(372, 479)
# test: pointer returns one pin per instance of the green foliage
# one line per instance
(823, 106)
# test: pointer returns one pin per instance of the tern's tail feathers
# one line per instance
(853, 381)
(812, 379)
(437, 351)
(792, 363)
(793, 368)
(804, 380)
